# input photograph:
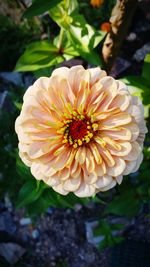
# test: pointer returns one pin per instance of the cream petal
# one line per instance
(120, 101)
(23, 147)
(72, 184)
(60, 161)
(135, 112)
(119, 179)
(83, 91)
(74, 78)
(122, 88)
(81, 155)
(134, 129)
(110, 87)
(77, 172)
(110, 186)
(100, 169)
(38, 149)
(25, 158)
(117, 120)
(64, 174)
(118, 134)
(96, 153)
(60, 189)
(89, 178)
(53, 180)
(49, 170)
(103, 181)
(36, 170)
(130, 165)
(138, 162)
(107, 157)
(96, 74)
(62, 71)
(85, 190)
(118, 168)
(135, 151)
(125, 149)
(90, 163)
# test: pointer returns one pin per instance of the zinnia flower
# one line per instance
(80, 131)
(96, 3)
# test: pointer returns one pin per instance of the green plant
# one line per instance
(76, 38)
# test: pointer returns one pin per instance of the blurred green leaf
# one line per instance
(146, 68)
(39, 6)
(126, 204)
(81, 35)
(39, 55)
(29, 193)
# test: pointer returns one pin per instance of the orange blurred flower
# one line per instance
(105, 27)
(96, 3)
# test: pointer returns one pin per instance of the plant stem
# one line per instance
(121, 18)
(61, 35)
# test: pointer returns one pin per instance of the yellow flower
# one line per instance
(80, 131)
(96, 3)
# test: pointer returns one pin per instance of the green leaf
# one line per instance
(39, 55)
(127, 204)
(83, 37)
(29, 193)
(39, 6)
(23, 170)
(146, 68)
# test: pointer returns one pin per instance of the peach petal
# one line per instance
(90, 163)
(105, 154)
(96, 74)
(110, 186)
(74, 78)
(119, 119)
(134, 129)
(110, 86)
(72, 184)
(119, 179)
(121, 101)
(103, 181)
(138, 162)
(25, 158)
(53, 180)
(100, 169)
(85, 190)
(96, 153)
(64, 174)
(90, 178)
(122, 88)
(135, 151)
(80, 155)
(61, 160)
(118, 168)
(130, 165)
(125, 149)
(62, 71)
(60, 189)
(135, 112)
(36, 170)
(117, 134)
(77, 172)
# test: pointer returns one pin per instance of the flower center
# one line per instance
(78, 129)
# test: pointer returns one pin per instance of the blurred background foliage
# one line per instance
(63, 30)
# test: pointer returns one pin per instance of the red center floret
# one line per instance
(77, 129)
